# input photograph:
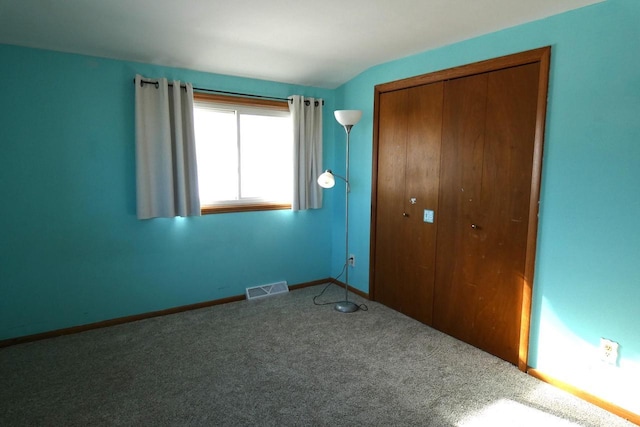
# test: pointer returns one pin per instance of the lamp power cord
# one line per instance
(334, 281)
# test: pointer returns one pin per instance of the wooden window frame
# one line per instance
(267, 104)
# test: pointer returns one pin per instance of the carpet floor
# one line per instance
(276, 361)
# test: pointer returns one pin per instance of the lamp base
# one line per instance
(346, 307)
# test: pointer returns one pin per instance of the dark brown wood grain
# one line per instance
(391, 166)
(418, 238)
(481, 263)
(487, 188)
(408, 164)
(463, 142)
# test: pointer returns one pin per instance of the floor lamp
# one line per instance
(347, 118)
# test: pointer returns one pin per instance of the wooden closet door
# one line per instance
(408, 169)
(392, 154)
(487, 152)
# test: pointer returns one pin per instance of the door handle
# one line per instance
(404, 214)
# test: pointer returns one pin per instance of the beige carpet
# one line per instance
(279, 361)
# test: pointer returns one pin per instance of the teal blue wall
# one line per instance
(587, 279)
(71, 249)
(73, 252)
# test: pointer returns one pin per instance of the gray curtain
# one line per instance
(166, 170)
(306, 114)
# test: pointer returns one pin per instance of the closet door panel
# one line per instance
(390, 197)
(466, 144)
(484, 200)
(504, 201)
(421, 192)
(408, 172)
(456, 289)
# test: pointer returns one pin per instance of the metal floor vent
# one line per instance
(267, 290)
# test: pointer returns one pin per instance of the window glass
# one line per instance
(245, 155)
(216, 150)
(266, 153)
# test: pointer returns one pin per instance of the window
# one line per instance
(245, 153)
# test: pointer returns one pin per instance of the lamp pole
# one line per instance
(346, 306)
(347, 129)
(347, 118)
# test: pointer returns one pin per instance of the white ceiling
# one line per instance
(320, 43)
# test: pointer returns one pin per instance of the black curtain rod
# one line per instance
(246, 95)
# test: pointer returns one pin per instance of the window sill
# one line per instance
(249, 207)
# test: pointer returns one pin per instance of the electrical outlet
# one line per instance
(352, 260)
(609, 351)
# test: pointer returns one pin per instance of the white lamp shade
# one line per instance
(348, 117)
(326, 180)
